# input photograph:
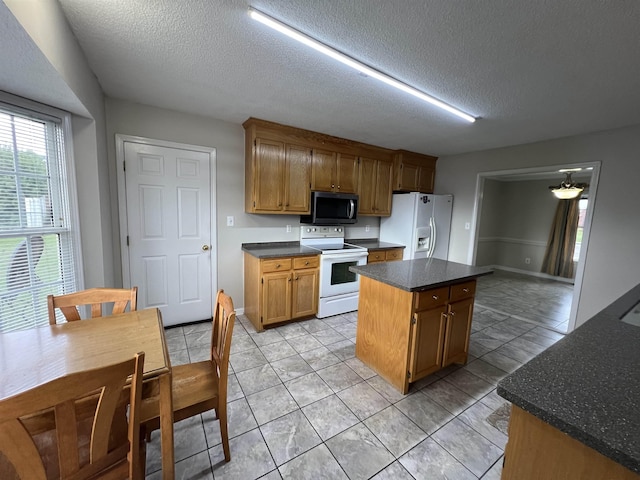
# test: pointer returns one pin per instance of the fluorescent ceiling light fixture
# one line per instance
(350, 62)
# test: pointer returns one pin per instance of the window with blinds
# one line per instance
(36, 241)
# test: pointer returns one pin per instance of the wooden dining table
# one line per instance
(29, 358)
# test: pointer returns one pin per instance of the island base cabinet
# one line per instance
(537, 450)
(427, 341)
(456, 342)
(405, 336)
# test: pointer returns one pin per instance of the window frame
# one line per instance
(24, 106)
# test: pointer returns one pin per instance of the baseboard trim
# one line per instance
(546, 276)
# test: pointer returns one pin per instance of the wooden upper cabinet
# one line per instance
(375, 182)
(323, 170)
(284, 164)
(347, 173)
(414, 172)
(334, 172)
(297, 172)
(268, 175)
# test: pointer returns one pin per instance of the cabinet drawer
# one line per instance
(276, 265)
(378, 256)
(393, 254)
(462, 290)
(431, 298)
(306, 262)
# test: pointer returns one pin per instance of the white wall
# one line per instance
(613, 259)
(228, 139)
(47, 28)
(515, 223)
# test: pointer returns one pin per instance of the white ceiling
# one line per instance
(532, 70)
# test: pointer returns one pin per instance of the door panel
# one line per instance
(168, 196)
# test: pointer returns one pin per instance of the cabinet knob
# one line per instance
(453, 314)
(435, 297)
(296, 279)
(338, 187)
(279, 204)
(289, 279)
(333, 186)
(277, 265)
(286, 204)
(465, 290)
(306, 263)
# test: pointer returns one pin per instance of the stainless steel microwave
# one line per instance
(332, 209)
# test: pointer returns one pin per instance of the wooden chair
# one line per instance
(202, 386)
(107, 454)
(96, 297)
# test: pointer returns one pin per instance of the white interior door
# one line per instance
(168, 211)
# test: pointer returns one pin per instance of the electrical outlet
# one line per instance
(367, 228)
(527, 261)
(288, 228)
(230, 221)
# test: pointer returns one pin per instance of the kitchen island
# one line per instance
(576, 406)
(414, 317)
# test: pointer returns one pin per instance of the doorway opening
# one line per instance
(513, 213)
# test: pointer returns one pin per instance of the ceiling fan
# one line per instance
(568, 188)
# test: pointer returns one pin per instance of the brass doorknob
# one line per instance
(205, 247)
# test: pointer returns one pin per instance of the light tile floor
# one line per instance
(538, 300)
(301, 406)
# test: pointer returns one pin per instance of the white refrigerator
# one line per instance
(421, 222)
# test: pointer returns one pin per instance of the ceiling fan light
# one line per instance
(566, 193)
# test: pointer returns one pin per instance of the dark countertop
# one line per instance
(420, 274)
(587, 385)
(278, 249)
(372, 244)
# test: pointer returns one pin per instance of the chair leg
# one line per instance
(224, 432)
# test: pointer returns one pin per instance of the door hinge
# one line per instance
(124, 165)
(413, 320)
(261, 320)
(127, 240)
(254, 204)
(408, 374)
(255, 143)
(262, 280)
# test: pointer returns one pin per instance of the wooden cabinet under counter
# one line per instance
(385, 255)
(280, 289)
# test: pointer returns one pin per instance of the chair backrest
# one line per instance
(119, 455)
(224, 317)
(96, 297)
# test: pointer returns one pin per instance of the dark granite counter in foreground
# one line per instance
(420, 274)
(278, 249)
(587, 385)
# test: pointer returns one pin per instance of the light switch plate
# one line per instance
(230, 221)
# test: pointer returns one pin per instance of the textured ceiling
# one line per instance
(530, 70)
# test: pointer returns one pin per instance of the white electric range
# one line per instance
(338, 286)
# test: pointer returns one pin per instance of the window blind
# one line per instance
(36, 242)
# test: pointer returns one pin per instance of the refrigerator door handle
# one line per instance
(432, 237)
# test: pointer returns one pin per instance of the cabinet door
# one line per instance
(456, 341)
(408, 177)
(427, 334)
(366, 186)
(384, 188)
(426, 177)
(297, 179)
(323, 170)
(269, 175)
(346, 173)
(276, 297)
(305, 293)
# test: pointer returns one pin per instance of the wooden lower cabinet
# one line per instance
(405, 336)
(536, 450)
(386, 255)
(280, 289)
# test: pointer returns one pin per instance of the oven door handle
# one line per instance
(344, 256)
